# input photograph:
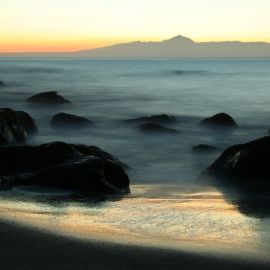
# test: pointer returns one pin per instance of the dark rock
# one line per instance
(78, 167)
(204, 148)
(155, 128)
(250, 203)
(220, 120)
(246, 165)
(2, 83)
(12, 131)
(69, 121)
(161, 118)
(27, 122)
(51, 97)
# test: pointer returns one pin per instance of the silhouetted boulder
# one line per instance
(219, 120)
(2, 83)
(204, 148)
(244, 164)
(15, 127)
(155, 128)
(66, 120)
(161, 118)
(27, 122)
(78, 167)
(51, 97)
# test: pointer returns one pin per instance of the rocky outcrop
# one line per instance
(66, 120)
(219, 120)
(15, 127)
(246, 164)
(204, 148)
(2, 84)
(27, 122)
(51, 97)
(161, 118)
(155, 128)
(78, 167)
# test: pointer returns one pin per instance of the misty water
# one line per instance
(168, 199)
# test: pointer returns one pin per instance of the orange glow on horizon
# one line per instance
(45, 45)
(67, 25)
(50, 47)
(68, 45)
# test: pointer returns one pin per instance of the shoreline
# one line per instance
(104, 227)
(23, 247)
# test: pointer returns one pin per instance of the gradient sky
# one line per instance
(67, 25)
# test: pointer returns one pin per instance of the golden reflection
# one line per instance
(199, 218)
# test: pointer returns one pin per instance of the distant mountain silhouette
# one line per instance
(181, 46)
(178, 46)
(178, 39)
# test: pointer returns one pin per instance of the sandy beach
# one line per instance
(25, 248)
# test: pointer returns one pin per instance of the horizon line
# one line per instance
(130, 42)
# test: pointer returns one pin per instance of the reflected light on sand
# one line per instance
(201, 218)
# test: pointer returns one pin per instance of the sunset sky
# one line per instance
(68, 25)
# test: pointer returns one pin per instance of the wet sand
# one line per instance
(26, 248)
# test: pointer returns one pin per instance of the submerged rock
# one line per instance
(2, 83)
(219, 120)
(51, 97)
(155, 128)
(161, 118)
(84, 168)
(66, 120)
(204, 148)
(247, 165)
(15, 127)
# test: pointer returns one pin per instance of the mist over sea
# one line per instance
(109, 91)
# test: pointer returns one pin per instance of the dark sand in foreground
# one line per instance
(25, 248)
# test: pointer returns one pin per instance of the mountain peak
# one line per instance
(179, 39)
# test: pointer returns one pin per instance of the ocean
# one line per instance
(169, 202)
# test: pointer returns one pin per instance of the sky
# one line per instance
(70, 25)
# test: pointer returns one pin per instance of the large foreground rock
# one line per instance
(51, 97)
(219, 120)
(84, 168)
(247, 165)
(160, 118)
(66, 120)
(15, 126)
